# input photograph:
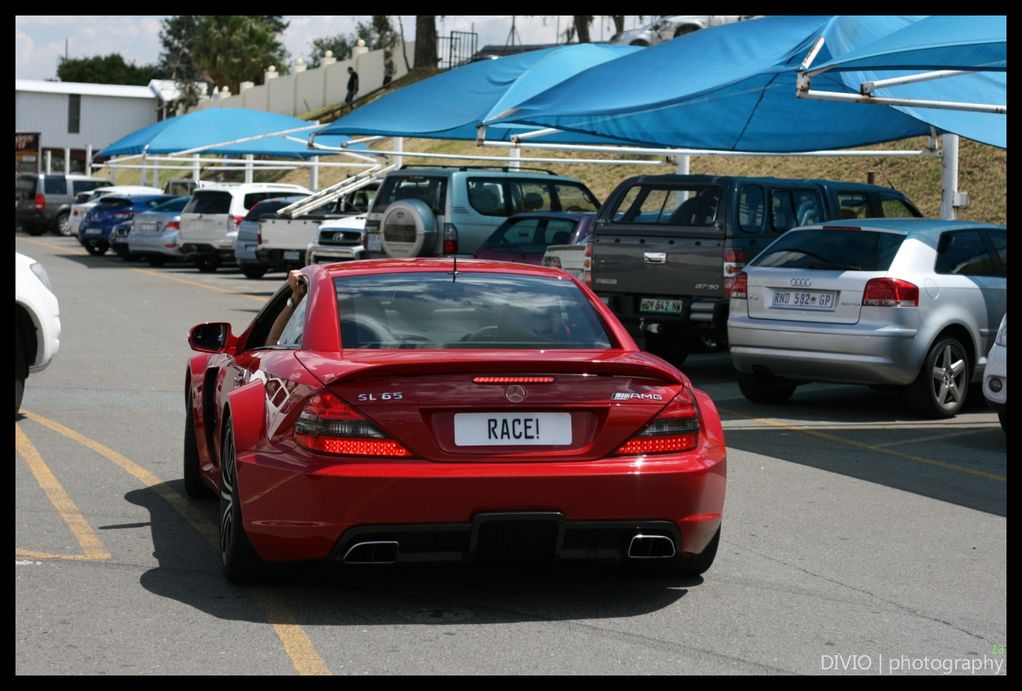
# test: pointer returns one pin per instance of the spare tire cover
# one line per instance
(408, 229)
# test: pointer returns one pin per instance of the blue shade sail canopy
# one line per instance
(943, 42)
(451, 105)
(732, 88)
(217, 126)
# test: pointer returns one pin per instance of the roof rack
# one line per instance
(506, 169)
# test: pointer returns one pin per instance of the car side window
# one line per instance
(808, 207)
(260, 330)
(558, 231)
(852, 205)
(531, 196)
(291, 336)
(782, 211)
(751, 208)
(55, 184)
(895, 208)
(999, 239)
(965, 253)
(488, 197)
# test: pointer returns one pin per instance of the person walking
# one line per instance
(352, 87)
(388, 69)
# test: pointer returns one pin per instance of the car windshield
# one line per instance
(469, 310)
(829, 248)
(530, 235)
(675, 206)
(174, 206)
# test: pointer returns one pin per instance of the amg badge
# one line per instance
(636, 397)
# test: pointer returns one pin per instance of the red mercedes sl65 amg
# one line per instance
(441, 410)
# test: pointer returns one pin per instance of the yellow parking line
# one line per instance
(868, 447)
(51, 245)
(90, 543)
(297, 644)
(197, 284)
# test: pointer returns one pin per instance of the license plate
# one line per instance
(147, 227)
(93, 231)
(660, 306)
(291, 256)
(804, 299)
(373, 242)
(512, 429)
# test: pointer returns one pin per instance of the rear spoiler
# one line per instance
(331, 368)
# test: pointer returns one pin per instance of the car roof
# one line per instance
(438, 265)
(701, 179)
(249, 186)
(479, 170)
(566, 215)
(905, 225)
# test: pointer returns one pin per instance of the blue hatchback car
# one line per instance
(112, 210)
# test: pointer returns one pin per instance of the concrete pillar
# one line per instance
(682, 164)
(399, 145)
(328, 58)
(249, 167)
(88, 159)
(513, 156)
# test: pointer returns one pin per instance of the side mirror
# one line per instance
(211, 337)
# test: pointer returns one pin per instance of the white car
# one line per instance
(209, 224)
(338, 240)
(667, 28)
(995, 376)
(36, 322)
(86, 200)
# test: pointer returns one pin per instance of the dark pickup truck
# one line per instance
(666, 248)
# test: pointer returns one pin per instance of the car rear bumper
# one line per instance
(858, 354)
(190, 249)
(323, 254)
(996, 371)
(293, 511)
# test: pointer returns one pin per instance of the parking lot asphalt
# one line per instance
(857, 538)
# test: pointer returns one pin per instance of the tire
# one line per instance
(62, 225)
(97, 250)
(156, 260)
(765, 389)
(194, 486)
(680, 566)
(34, 231)
(123, 253)
(20, 371)
(206, 265)
(254, 270)
(942, 385)
(239, 561)
(671, 347)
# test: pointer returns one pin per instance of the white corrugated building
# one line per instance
(74, 116)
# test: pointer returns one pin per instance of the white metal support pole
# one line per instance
(88, 159)
(49, 162)
(196, 170)
(682, 164)
(142, 176)
(67, 161)
(248, 167)
(949, 177)
(399, 145)
(314, 174)
(514, 155)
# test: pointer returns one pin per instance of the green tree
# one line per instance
(106, 69)
(378, 34)
(341, 46)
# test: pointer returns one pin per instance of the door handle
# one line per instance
(654, 257)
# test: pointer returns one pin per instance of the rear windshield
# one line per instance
(530, 235)
(472, 310)
(266, 209)
(431, 190)
(673, 206)
(24, 187)
(209, 203)
(174, 206)
(253, 198)
(55, 184)
(86, 185)
(112, 202)
(840, 250)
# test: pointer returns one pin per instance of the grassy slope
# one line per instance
(982, 169)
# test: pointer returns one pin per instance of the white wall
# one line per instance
(103, 119)
(301, 92)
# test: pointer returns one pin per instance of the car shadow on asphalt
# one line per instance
(321, 593)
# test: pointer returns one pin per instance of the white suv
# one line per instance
(36, 322)
(209, 224)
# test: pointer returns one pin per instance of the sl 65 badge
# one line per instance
(385, 396)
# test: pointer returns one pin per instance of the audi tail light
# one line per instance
(740, 286)
(890, 292)
(734, 262)
(675, 429)
(328, 425)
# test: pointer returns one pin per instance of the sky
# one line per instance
(41, 40)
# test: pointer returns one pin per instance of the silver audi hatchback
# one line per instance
(909, 303)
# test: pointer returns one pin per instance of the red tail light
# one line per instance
(234, 221)
(450, 239)
(740, 287)
(675, 429)
(587, 265)
(890, 292)
(734, 261)
(40, 202)
(173, 225)
(328, 425)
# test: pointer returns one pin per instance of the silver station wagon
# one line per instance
(910, 303)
